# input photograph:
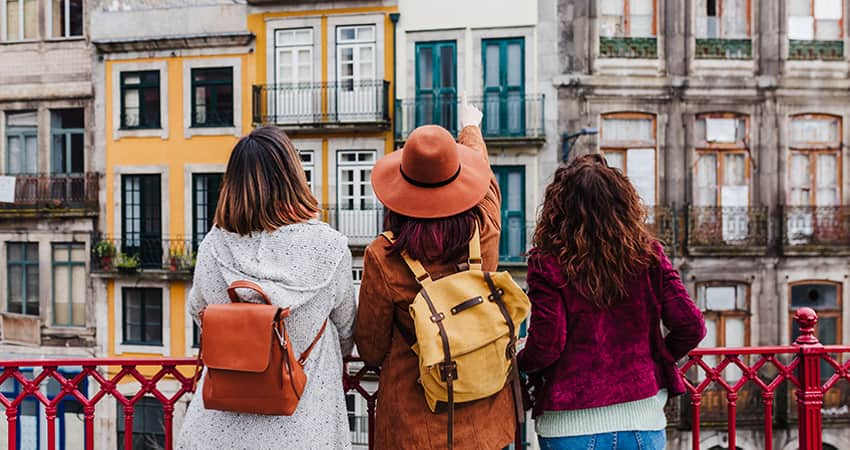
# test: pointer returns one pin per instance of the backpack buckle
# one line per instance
(437, 317)
(280, 337)
(448, 369)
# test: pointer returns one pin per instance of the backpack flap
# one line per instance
(238, 336)
(516, 300)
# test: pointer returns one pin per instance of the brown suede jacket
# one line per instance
(387, 289)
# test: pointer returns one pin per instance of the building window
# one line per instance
(21, 142)
(504, 87)
(66, 18)
(196, 335)
(723, 29)
(309, 165)
(511, 181)
(295, 97)
(627, 29)
(21, 19)
(358, 214)
(726, 308)
(205, 190)
(825, 298)
(69, 285)
(67, 128)
(141, 221)
(148, 425)
(436, 84)
(142, 316)
(815, 29)
(22, 270)
(140, 100)
(815, 160)
(212, 97)
(628, 141)
(356, 57)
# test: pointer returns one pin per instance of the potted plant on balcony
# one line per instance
(128, 264)
(176, 256)
(189, 261)
(105, 251)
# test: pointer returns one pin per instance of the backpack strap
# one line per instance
(422, 275)
(475, 250)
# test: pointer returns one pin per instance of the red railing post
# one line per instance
(810, 392)
(12, 423)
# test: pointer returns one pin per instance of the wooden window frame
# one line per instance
(723, 149)
(627, 23)
(813, 150)
(141, 86)
(749, 16)
(70, 264)
(143, 323)
(831, 313)
(721, 316)
(212, 109)
(24, 264)
(815, 21)
(623, 147)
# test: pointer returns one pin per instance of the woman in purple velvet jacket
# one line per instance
(601, 287)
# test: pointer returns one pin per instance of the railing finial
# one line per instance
(806, 318)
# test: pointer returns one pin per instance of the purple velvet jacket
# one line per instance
(580, 357)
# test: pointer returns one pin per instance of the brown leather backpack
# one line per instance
(251, 366)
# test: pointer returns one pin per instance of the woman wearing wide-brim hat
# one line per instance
(435, 191)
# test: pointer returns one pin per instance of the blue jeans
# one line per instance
(621, 440)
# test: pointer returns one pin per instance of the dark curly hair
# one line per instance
(592, 221)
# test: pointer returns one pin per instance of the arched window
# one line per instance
(628, 141)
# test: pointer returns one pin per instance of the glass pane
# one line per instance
(720, 298)
(61, 300)
(57, 16)
(734, 19)
(799, 8)
(514, 64)
(710, 339)
(828, 30)
(611, 7)
(491, 69)
(515, 191)
(721, 130)
(828, 9)
(627, 130)
(816, 296)
(366, 33)
(30, 19)
(814, 131)
(826, 179)
(827, 330)
(76, 17)
(735, 337)
(641, 26)
(13, 18)
(706, 182)
(640, 166)
(346, 34)
(735, 170)
(447, 66)
(615, 160)
(78, 295)
(515, 230)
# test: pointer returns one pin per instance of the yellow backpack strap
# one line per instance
(475, 250)
(422, 275)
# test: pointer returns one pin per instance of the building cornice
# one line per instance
(236, 39)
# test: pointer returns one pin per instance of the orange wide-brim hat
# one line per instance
(432, 176)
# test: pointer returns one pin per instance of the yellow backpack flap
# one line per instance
(466, 328)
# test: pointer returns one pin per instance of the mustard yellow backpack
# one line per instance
(466, 328)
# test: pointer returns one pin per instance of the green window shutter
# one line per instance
(503, 62)
(436, 84)
(512, 243)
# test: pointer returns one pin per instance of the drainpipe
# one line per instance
(394, 19)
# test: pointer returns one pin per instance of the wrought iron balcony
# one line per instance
(54, 195)
(816, 229)
(507, 117)
(816, 50)
(143, 255)
(806, 374)
(724, 49)
(308, 106)
(628, 47)
(727, 230)
(361, 223)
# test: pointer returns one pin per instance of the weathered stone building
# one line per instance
(731, 117)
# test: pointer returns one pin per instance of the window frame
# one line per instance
(627, 21)
(151, 260)
(211, 84)
(66, 5)
(350, 83)
(504, 89)
(22, 133)
(70, 264)
(841, 36)
(813, 150)
(21, 23)
(197, 237)
(24, 264)
(835, 312)
(501, 172)
(436, 92)
(720, 316)
(142, 322)
(67, 134)
(358, 166)
(142, 404)
(624, 146)
(721, 150)
(719, 15)
(140, 87)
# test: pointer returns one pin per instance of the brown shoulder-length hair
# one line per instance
(592, 221)
(432, 240)
(264, 186)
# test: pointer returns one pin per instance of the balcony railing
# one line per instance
(812, 50)
(130, 255)
(816, 228)
(628, 47)
(310, 106)
(506, 116)
(727, 229)
(54, 193)
(360, 224)
(805, 373)
(724, 49)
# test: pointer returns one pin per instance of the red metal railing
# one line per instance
(130, 380)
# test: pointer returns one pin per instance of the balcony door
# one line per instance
(141, 221)
(504, 86)
(357, 213)
(511, 181)
(357, 90)
(436, 84)
(294, 96)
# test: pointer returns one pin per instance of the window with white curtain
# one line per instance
(815, 20)
(21, 19)
(726, 308)
(723, 19)
(21, 142)
(627, 18)
(815, 161)
(66, 18)
(628, 143)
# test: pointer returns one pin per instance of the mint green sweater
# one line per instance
(640, 415)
